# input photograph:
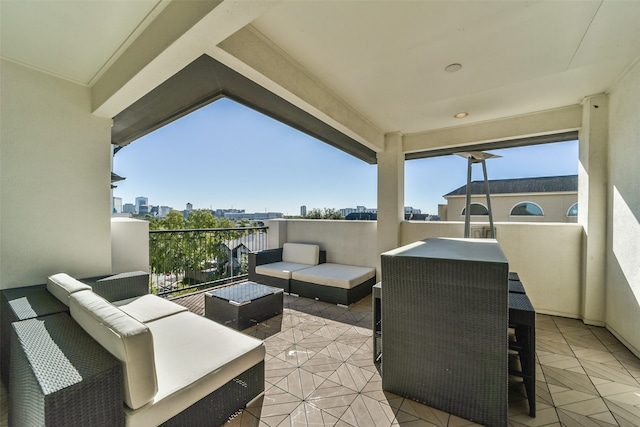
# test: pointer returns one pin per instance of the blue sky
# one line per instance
(225, 155)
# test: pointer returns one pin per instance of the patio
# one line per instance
(374, 84)
(319, 371)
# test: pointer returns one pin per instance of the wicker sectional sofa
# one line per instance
(177, 368)
(301, 269)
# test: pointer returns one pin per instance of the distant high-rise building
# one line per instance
(141, 201)
(189, 207)
(129, 208)
(303, 210)
(117, 204)
(163, 211)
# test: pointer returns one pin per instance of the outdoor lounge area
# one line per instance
(319, 371)
(387, 83)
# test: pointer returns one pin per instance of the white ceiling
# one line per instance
(384, 58)
(75, 40)
(387, 59)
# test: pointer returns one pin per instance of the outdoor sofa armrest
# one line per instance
(121, 286)
(266, 256)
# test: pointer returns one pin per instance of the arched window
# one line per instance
(526, 209)
(573, 210)
(476, 209)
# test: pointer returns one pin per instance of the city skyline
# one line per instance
(227, 156)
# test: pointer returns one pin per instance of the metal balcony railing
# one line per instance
(181, 261)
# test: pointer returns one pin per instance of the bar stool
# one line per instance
(522, 318)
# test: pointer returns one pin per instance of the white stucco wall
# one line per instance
(623, 225)
(346, 242)
(550, 271)
(129, 245)
(553, 205)
(54, 180)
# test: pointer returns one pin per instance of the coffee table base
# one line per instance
(245, 314)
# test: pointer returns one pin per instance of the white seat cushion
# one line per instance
(62, 285)
(148, 308)
(301, 253)
(280, 269)
(125, 338)
(336, 275)
(194, 357)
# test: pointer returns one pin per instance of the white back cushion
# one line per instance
(62, 285)
(301, 253)
(125, 338)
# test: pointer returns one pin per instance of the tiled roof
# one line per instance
(547, 184)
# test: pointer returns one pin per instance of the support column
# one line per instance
(592, 208)
(390, 194)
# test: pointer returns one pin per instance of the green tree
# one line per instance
(330, 213)
(174, 221)
(201, 218)
(326, 213)
(194, 250)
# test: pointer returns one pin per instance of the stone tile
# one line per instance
(309, 415)
(573, 419)
(321, 363)
(617, 374)
(586, 407)
(424, 412)
(569, 397)
(625, 415)
(588, 341)
(568, 379)
(554, 347)
(631, 398)
(295, 355)
(300, 383)
(351, 377)
(339, 350)
(612, 388)
(560, 361)
(367, 412)
(319, 371)
(544, 417)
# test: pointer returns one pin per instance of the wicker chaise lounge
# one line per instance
(274, 267)
(300, 269)
(174, 367)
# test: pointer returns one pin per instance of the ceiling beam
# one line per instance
(251, 54)
(550, 122)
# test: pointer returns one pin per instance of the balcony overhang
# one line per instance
(204, 81)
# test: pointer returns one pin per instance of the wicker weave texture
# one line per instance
(61, 377)
(332, 294)
(242, 316)
(216, 408)
(121, 286)
(444, 335)
(22, 304)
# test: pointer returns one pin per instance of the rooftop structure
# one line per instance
(546, 184)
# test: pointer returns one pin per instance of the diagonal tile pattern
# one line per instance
(320, 372)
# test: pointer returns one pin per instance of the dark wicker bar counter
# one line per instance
(444, 326)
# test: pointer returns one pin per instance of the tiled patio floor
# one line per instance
(319, 371)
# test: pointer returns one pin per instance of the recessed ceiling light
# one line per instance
(452, 68)
(461, 115)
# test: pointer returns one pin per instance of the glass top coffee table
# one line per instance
(243, 304)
